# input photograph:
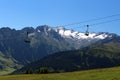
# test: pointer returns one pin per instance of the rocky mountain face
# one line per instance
(101, 55)
(76, 39)
(44, 40)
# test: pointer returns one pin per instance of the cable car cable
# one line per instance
(90, 20)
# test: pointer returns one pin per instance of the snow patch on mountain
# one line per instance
(67, 33)
(79, 35)
(38, 31)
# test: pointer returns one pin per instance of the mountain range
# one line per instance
(44, 40)
(101, 55)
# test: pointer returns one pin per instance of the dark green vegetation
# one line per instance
(98, 74)
(97, 56)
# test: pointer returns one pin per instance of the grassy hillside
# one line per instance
(98, 74)
(7, 64)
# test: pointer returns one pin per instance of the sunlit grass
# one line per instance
(98, 74)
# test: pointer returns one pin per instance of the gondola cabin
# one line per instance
(87, 31)
(27, 39)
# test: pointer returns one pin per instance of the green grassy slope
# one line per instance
(7, 64)
(98, 74)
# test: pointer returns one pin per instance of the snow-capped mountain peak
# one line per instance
(66, 33)
(71, 34)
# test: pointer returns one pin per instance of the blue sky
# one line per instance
(22, 13)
